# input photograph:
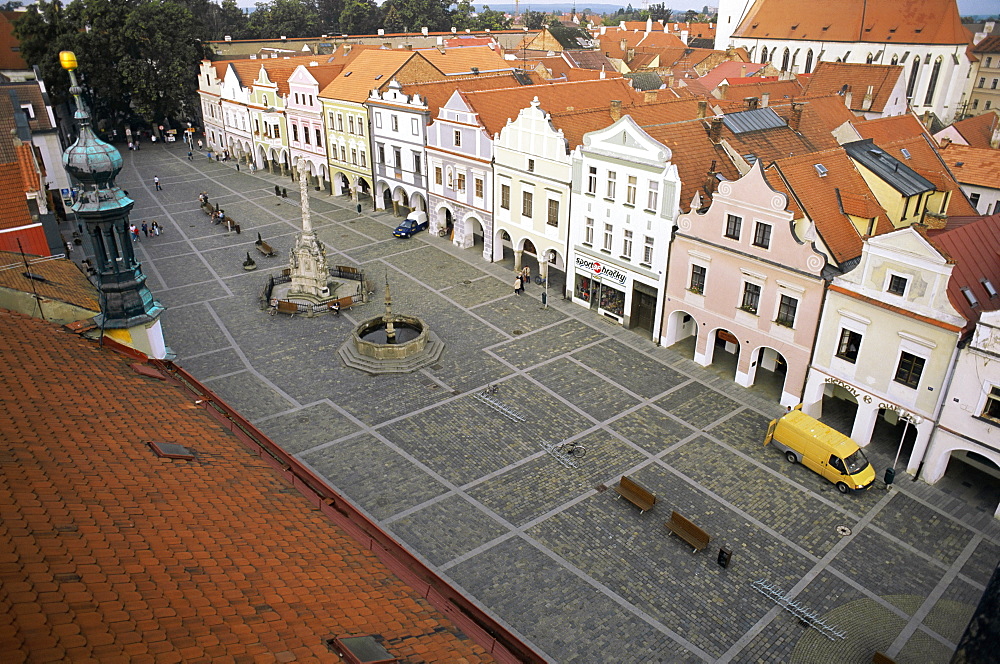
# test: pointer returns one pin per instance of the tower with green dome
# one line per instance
(129, 313)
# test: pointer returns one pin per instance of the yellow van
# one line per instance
(816, 446)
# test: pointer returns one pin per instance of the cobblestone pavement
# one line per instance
(545, 547)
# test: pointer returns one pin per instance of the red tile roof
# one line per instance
(741, 88)
(875, 21)
(436, 93)
(975, 166)
(64, 281)
(989, 44)
(727, 70)
(978, 130)
(831, 77)
(13, 203)
(462, 60)
(112, 553)
(278, 69)
(359, 78)
(889, 129)
(975, 249)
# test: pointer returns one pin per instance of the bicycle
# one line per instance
(572, 449)
(540, 281)
(490, 390)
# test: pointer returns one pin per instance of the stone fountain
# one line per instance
(391, 343)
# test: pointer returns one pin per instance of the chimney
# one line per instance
(710, 180)
(347, 48)
(765, 99)
(408, 47)
(684, 36)
(730, 53)
(423, 31)
(848, 99)
(927, 119)
(702, 108)
(670, 82)
(715, 129)
(945, 142)
(751, 103)
(866, 103)
(616, 110)
(440, 49)
(649, 96)
(796, 118)
(624, 45)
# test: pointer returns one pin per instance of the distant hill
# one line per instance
(566, 7)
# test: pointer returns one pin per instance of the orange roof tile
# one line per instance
(359, 79)
(64, 282)
(831, 77)
(14, 211)
(889, 129)
(726, 70)
(741, 88)
(462, 60)
(975, 166)
(874, 21)
(692, 152)
(978, 130)
(974, 247)
(495, 107)
(113, 553)
(278, 69)
(436, 93)
(819, 195)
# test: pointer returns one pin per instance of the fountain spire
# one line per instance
(390, 330)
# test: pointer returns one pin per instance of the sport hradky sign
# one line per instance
(601, 270)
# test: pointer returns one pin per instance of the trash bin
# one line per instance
(545, 298)
(890, 476)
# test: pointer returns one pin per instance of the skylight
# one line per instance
(970, 296)
(821, 170)
(990, 290)
(906, 153)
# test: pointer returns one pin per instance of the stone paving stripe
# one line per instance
(917, 618)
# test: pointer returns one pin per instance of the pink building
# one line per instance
(743, 284)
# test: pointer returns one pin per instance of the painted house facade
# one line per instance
(625, 198)
(887, 338)
(267, 115)
(398, 124)
(742, 282)
(306, 133)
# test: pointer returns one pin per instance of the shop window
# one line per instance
(762, 235)
(733, 226)
(588, 232)
(504, 196)
(849, 345)
(786, 311)
(991, 409)
(553, 216)
(612, 300)
(698, 274)
(751, 297)
(909, 369)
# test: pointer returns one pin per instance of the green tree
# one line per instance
(412, 15)
(42, 34)
(329, 13)
(462, 16)
(225, 20)
(292, 18)
(360, 17)
(491, 19)
(533, 20)
(660, 12)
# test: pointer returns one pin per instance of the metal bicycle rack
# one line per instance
(777, 595)
(499, 407)
(555, 449)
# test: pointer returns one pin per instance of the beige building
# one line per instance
(985, 93)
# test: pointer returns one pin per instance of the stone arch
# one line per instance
(469, 232)
(682, 331)
(384, 198)
(721, 347)
(418, 202)
(443, 219)
(341, 184)
(770, 366)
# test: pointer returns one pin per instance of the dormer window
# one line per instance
(970, 297)
(897, 285)
(821, 170)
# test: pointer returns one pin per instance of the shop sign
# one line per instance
(599, 269)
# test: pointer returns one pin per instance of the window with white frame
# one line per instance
(762, 235)
(697, 283)
(630, 190)
(343, 153)
(647, 251)
(627, 245)
(305, 135)
(527, 200)
(461, 182)
(437, 175)
(608, 236)
(612, 177)
(363, 164)
(457, 138)
(416, 163)
(787, 307)
(415, 126)
(397, 158)
(909, 369)
(751, 297)
(319, 137)
(897, 284)
(340, 122)
(380, 152)
(394, 122)
(479, 188)
(592, 180)
(588, 232)
(295, 133)
(553, 217)
(350, 124)
(733, 226)
(991, 408)
(849, 345)
(361, 127)
(653, 195)
(378, 119)
(505, 196)
(354, 156)
(531, 165)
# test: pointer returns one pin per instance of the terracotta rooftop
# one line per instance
(370, 70)
(437, 93)
(741, 88)
(114, 553)
(989, 44)
(495, 107)
(278, 69)
(462, 60)
(975, 166)
(611, 43)
(61, 280)
(889, 129)
(726, 70)
(872, 21)
(831, 77)
(978, 130)
(29, 92)
(14, 211)
(975, 248)
(10, 45)
(816, 184)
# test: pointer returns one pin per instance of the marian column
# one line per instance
(310, 274)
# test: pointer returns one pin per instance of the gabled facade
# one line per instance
(306, 133)
(626, 196)
(237, 126)
(887, 338)
(210, 94)
(398, 124)
(460, 167)
(267, 115)
(742, 282)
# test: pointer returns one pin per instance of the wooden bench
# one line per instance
(635, 494)
(284, 307)
(263, 247)
(688, 532)
(345, 302)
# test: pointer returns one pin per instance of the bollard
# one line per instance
(890, 477)
(724, 557)
(277, 190)
(284, 193)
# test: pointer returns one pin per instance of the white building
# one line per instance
(398, 124)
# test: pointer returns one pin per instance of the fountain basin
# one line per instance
(370, 338)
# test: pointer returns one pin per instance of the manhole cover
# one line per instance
(843, 531)
(517, 332)
(466, 282)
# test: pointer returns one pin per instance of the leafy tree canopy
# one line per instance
(360, 17)
(533, 20)
(292, 18)
(412, 15)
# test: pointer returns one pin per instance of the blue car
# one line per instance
(414, 223)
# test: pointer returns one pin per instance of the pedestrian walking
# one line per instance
(199, 144)
(517, 285)
(156, 229)
(135, 233)
(190, 156)
(156, 183)
(237, 167)
(131, 145)
(526, 276)
(145, 229)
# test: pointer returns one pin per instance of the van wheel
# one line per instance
(791, 457)
(843, 488)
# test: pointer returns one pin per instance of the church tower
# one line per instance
(731, 12)
(129, 314)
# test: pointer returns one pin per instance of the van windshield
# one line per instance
(856, 462)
